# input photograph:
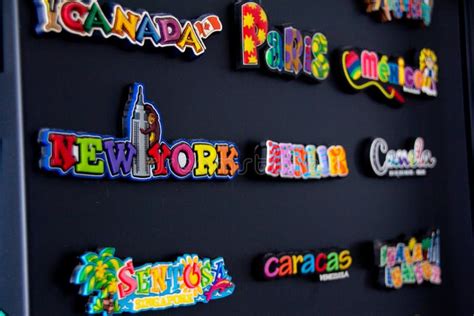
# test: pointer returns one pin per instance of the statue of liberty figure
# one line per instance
(48, 12)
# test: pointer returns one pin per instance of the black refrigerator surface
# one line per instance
(80, 84)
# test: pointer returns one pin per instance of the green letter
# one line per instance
(88, 162)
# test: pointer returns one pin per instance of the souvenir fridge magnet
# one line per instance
(142, 155)
(292, 161)
(285, 50)
(409, 262)
(324, 265)
(388, 10)
(389, 77)
(116, 286)
(139, 27)
(401, 162)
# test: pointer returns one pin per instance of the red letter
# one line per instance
(273, 159)
(126, 280)
(190, 271)
(160, 153)
(61, 151)
(254, 32)
(370, 65)
(72, 22)
(318, 260)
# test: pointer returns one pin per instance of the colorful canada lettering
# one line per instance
(420, 10)
(115, 286)
(291, 161)
(289, 51)
(368, 69)
(328, 265)
(87, 18)
(409, 263)
(142, 155)
(401, 163)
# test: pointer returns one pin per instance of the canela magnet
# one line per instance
(141, 155)
(326, 266)
(401, 162)
(293, 161)
(138, 27)
(412, 261)
(116, 286)
(388, 10)
(289, 50)
(389, 77)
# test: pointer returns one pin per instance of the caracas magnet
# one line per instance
(89, 18)
(325, 265)
(369, 70)
(414, 261)
(116, 286)
(400, 163)
(387, 10)
(142, 155)
(293, 161)
(289, 50)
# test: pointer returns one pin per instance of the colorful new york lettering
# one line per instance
(291, 161)
(142, 155)
(87, 18)
(289, 51)
(370, 70)
(116, 286)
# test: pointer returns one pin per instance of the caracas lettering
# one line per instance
(116, 286)
(291, 161)
(328, 266)
(142, 155)
(420, 10)
(409, 263)
(401, 163)
(88, 18)
(290, 51)
(368, 69)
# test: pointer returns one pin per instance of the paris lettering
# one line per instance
(289, 50)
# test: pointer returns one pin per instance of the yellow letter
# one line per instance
(125, 25)
(345, 260)
(206, 156)
(337, 161)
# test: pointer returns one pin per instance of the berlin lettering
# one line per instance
(292, 161)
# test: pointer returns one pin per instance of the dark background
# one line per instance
(80, 84)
